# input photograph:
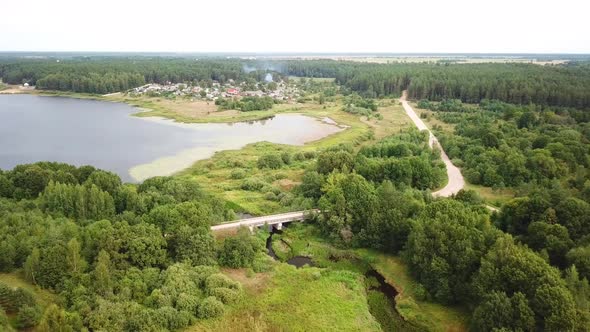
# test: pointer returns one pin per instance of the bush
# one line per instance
(286, 157)
(4, 322)
(237, 174)
(210, 308)
(270, 196)
(219, 280)
(253, 184)
(225, 295)
(278, 176)
(310, 154)
(187, 302)
(28, 316)
(272, 161)
(299, 156)
(238, 251)
(262, 263)
(169, 318)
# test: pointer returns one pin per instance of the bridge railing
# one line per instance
(270, 220)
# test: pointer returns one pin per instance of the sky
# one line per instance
(318, 26)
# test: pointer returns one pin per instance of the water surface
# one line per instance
(105, 135)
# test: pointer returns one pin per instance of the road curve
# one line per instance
(456, 181)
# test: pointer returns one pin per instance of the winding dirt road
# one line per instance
(456, 181)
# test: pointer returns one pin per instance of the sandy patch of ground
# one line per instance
(15, 90)
(195, 109)
(287, 184)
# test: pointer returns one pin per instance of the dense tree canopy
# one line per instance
(121, 257)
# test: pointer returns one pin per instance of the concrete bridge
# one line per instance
(276, 220)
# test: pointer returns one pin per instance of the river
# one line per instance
(105, 135)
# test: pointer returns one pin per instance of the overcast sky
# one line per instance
(362, 26)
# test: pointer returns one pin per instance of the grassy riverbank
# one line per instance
(228, 173)
(333, 295)
(422, 314)
(290, 299)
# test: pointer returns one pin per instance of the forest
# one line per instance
(563, 85)
(102, 75)
(120, 257)
(524, 268)
(567, 85)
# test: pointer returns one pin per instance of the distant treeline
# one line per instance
(567, 85)
(104, 75)
(563, 85)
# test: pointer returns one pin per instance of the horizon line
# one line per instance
(260, 53)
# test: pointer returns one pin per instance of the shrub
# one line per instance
(169, 318)
(210, 308)
(237, 174)
(262, 263)
(270, 196)
(285, 199)
(187, 302)
(279, 176)
(4, 322)
(272, 161)
(22, 297)
(299, 156)
(286, 157)
(28, 316)
(218, 280)
(225, 295)
(310, 154)
(253, 184)
(237, 252)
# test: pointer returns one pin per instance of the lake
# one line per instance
(105, 135)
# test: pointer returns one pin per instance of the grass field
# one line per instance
(331, 296)
(308, 299)
(44, 297)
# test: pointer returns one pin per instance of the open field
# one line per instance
(425, 58)
(290, 299)
(394, 119)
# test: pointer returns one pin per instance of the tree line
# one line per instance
(561, 85)
(114, 74)
(118, 257)
(564, 85)
(518, 270)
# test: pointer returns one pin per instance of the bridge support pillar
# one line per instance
(251, 228)
(279, 226)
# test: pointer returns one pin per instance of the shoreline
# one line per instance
(175, 164)
(146, 110)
